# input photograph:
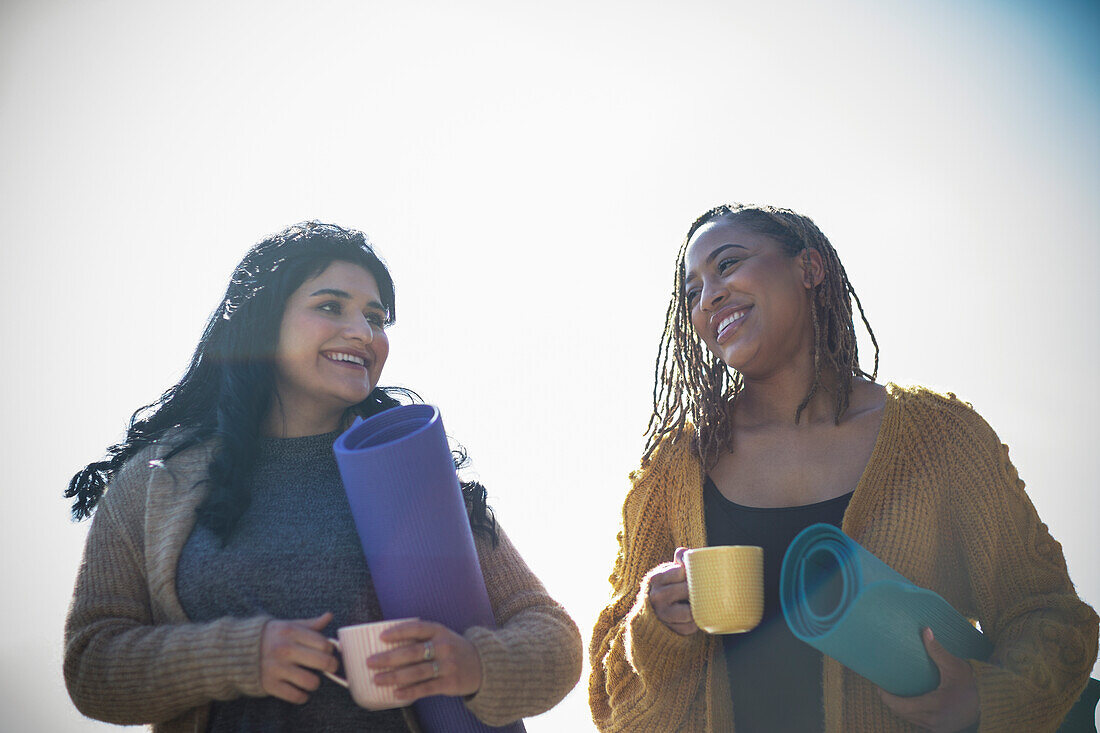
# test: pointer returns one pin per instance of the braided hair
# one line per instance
(692, 384)
(230, 381)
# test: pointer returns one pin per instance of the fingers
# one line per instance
(670, 574)
(288, 692)
(311, 658)
(903, 706)
(410, 631)
(318, 623)
(953, 705)
(296, 642)
(668, 594)
(420, 672)
(433, 661)
(952, 669)
(431, 686)
(427, 642)
(301, 678)
(679, 619)
(943, 659)
(307, 632)
(418, 643)
(312, 649)
(288, 651)
(671, 603)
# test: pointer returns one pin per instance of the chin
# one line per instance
(736, 361)
(353, 400)
(350, 398)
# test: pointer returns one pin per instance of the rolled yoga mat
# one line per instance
(408, 509)
(842, 600)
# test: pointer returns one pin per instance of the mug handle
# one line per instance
(331, 675)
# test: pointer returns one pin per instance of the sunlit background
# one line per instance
(528, 170)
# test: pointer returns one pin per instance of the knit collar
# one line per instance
(305, 448)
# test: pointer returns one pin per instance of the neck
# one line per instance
(283, 422)
(774, 400)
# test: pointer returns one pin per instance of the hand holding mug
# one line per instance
(431, 660)
(288, 650)
(668, 595)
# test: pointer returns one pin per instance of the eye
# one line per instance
(331, 306)
(376, 319)
(691, 296)
(726, 263)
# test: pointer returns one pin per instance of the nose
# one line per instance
(359, 329)
(712, 294)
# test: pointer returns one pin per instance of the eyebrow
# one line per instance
(344, 295)
(714, 255)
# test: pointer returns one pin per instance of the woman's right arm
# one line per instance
(120, 665)
(645, 676)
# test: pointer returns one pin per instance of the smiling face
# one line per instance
(748, 300)
(331, 350)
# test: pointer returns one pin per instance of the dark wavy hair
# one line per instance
(692, 384)
(230, 381)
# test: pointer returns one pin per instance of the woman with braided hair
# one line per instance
(223, 554)
(764, 423)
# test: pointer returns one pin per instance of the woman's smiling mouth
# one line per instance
(729, 323)
(345, 358)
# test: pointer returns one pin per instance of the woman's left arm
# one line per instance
(533, 659)
(1044, 635)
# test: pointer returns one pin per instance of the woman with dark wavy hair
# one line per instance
(763, 424)
(222, 553)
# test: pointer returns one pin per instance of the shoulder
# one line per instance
(661, 474)
(173, 462)
(929, 417)
(922, 403)
(668, 456)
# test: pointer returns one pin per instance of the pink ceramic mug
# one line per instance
(355, 644)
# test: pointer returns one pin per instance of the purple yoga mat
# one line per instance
(407, 504)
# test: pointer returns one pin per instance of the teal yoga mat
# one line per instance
(842, 600)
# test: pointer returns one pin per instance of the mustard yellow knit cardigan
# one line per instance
(940, 502)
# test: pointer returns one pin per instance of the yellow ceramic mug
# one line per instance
(726, 587)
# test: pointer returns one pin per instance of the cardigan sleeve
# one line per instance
(1044, 636)
(644, 675)
(121, 666)
(533, 659)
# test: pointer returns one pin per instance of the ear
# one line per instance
(813, 268)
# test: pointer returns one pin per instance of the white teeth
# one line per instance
(731, 318)
(337, 356)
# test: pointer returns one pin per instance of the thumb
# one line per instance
(319, 622)
(942, 658)
(678, 558)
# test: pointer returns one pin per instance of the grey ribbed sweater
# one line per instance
(295, 553)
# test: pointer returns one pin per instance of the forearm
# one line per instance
(533, 658)
(644, 675)
(528, 665)
(1041, 662)
(126, 673)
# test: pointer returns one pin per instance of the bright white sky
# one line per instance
(528, 170)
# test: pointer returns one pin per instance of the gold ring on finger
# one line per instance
(429, 652)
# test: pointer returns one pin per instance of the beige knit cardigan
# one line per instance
(133, 656)
(940, 502)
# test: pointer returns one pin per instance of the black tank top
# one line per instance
(775, 679)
